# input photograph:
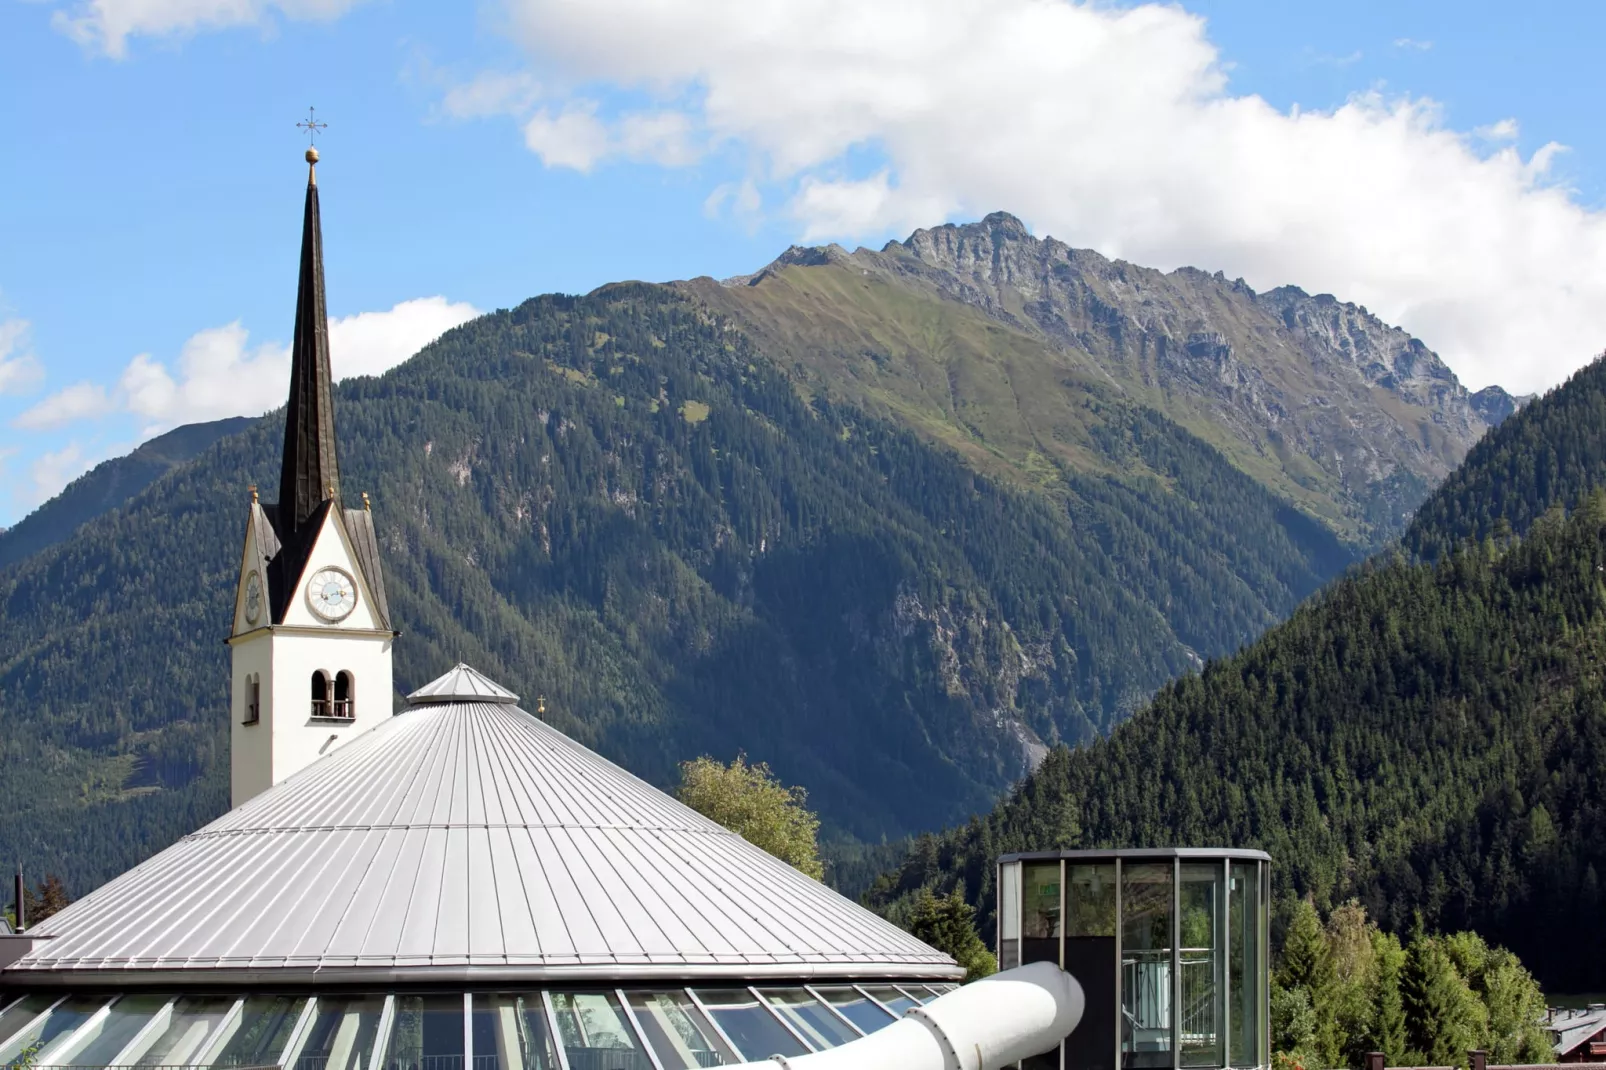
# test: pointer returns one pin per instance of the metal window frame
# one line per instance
(790, 1028)
(691, 993)
(387, 1022)
(860, 989)
(299, 1033)
(1065, 928)
(822, 1001)
(206, 1054)
(31, 1022)
(634, 1024)
(1176, 963)
(66, 1041)
(158, 1023)
(1120, 964)
(552, 1028)
(1226, 962)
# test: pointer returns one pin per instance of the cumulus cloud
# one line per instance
(1108, 127)
(106, 25)
(19, 368)
(220, 373)
(51, 471)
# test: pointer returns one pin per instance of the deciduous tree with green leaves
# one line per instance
(753, 803)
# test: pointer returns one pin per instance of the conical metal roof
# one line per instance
(462, 684)
(466, 839)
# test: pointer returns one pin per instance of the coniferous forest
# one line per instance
(619, 502)
(1424, 738)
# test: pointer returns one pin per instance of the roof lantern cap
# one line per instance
(463, 683)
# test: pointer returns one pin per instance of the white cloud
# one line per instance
(81, 401)
(106, 25)
(50, 472)
(219, 373)
(1413, 44)
(1504, 130)
(1107, 127)
(19, 368)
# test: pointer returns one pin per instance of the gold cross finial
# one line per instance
(540, 707)
(313, 128)
(254, 498)
(366, 504)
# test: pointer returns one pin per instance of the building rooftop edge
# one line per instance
(1137, 852)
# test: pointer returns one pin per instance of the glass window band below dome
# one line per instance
(537, 1029)
(1169, 946)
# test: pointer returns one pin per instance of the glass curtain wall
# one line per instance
(1146, 978)
(1009, 916)
(1090, 912)
(1201, 1004)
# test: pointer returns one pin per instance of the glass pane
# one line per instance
(1146, 964)
(265, 1025)
(595, 1034)
(1199, 1032)
(756, 1032)
(819, 1026)
(427, 1034)
(190, 1023)
(36, 1039)
(1090, 958)
(890, 998)
(1009, 916)
(678, 1032)
(510, 1033)
(856, 1008)
(21, 1013)
(100, 1043)
(342, 1034)
(1040, 912)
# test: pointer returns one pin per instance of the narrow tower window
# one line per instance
(345, 695)
(253, 698)
(320, 694)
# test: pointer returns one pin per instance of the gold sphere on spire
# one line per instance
(312, 155)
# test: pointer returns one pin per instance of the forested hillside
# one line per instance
(108, 485)
(1419, 737)
(1551, 453)
(620, 502)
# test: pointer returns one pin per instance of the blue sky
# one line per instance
(1395, 154)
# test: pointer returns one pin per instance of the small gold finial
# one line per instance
(367, 505)
(254, 498)
(540, 707)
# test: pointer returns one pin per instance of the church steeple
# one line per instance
(310, 471)
(311, 634)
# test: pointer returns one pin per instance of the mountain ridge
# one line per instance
(1349, 417)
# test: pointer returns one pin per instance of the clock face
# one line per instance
(332, 594)
(253, 598)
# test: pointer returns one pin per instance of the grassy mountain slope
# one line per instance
(990, 340)
(1419, 735)
(621, 502)
(108, 485)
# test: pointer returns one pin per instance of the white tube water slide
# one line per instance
(982, 1026)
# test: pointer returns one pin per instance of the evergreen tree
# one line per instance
(948, 923)
(1443, 1018)
(1307, 958)
(1387, 1033)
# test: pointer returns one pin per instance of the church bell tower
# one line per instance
(311, 635)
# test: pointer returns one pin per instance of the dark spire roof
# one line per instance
(310, 468)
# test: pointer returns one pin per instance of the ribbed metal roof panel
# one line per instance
(469, 835)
